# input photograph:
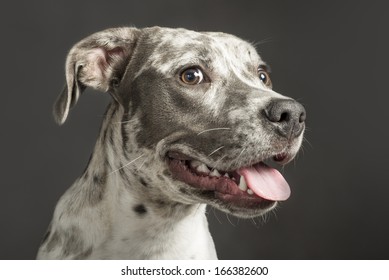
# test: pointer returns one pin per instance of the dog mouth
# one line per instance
(258, 185)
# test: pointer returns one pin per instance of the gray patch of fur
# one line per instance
(72, 243)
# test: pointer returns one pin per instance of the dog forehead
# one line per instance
(179, 47)
(179, 37)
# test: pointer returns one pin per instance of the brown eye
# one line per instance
(264, 77)
(192, 76)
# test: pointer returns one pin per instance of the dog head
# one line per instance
(199, 106)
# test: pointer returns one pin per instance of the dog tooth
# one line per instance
(203, 168)
(226, 175)
(215, 173)
(195, 163)
(242, 184)
(250, 192)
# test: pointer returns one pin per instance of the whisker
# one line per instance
(218, 161)
(127, 164)
(302, 151)
(263, 41)
(122, 122)
(239, 156)
(141, 165)
(254, 223)
(306, 140)
(228, 218)
(213, 129)
(216, 150)
(217, 218)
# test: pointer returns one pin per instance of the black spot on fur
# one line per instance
(140, 209)
(96, 192)
(143, 182)
(73, 244)
(99, 179)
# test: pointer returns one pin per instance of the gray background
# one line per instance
(323, 53)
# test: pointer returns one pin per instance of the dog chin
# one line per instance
(243, 212)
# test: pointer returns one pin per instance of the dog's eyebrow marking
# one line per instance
(213, 129)
(265, 67)
(140, 209)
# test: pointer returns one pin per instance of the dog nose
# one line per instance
(287, 115)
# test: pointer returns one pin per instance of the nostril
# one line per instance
(303, 116)
(277, 113)
(285, 117)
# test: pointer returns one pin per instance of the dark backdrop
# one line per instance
(323, 53)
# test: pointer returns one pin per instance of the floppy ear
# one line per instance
(94, 62)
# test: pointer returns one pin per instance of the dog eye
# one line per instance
(192, 76)
(264, 77)
(263, 74)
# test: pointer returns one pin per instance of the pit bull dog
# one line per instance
(192, 119)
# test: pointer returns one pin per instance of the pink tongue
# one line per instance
(266, 182)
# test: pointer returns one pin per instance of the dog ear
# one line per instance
(95, 62)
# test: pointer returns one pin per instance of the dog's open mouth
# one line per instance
(256, 184)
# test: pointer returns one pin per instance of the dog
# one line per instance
(192, 119)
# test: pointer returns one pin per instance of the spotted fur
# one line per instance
(126, 205)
